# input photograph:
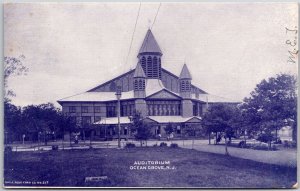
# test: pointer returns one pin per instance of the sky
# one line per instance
(70, 48)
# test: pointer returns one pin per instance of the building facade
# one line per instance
(160, 96)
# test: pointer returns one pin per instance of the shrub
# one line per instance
(174, 145)
(293, 144)
(54, 147)
(8, 149)
(290, 144)
(155, 145)
(242, 144)
(130, 145)
(265, 147)
(265, 138)
(163, 144)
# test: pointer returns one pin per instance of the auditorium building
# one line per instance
(159, 95)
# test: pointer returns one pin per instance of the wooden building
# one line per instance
(160, 96)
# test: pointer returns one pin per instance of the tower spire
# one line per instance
(185, 73)
(150, 45)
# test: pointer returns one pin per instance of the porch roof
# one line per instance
(172, 119)
(158, 119)
(113, 121)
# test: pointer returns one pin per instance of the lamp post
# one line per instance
(118, 95)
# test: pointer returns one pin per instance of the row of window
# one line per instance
(185, 85)
(164, 110)
(85, 119)
(155, 108)
(84, 109)
(151, 66)
(139, 84)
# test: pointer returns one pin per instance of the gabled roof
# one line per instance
(164, 94)
(150, 45)
(139, 72)
(185, 73)
(97, 97)
(213, 99)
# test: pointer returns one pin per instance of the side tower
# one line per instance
(185, 92)
(150, 57)
(139, 83)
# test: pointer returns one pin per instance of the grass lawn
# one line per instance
(192, 169)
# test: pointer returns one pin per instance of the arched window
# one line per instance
(140, 84)
(187, 86)
(183, 86)
(155, 67)
(149, 67)
(143, 63)
(136, 85)
(159, 68)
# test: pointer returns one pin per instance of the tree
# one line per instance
(272, 102)
(219, 119)
(12, 67)
(12, 127)
(139, 128)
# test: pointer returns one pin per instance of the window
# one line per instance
(127, 108)
(143, 63)
(195, 109)
(86, 120)
(182, 85)
(187, 86)
(161, 108)
(140, 84)
(136, 85)
(97, 109)
(84, 109)
(111, 110)
(159, 68)
(97, 118)
(72, 109)
(155, 68)
(149, 67)
(178, 129)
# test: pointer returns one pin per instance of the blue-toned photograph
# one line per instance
(150, 95)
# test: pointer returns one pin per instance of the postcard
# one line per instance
(150, 95)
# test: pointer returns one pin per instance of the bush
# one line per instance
(174, 145)
(8, 149)
(54, 147)
(242, 144)
(290, 144)
(155, 145)
(163, 144)
(265, 147)
(130, 145)
(293, 144)
(265, 138)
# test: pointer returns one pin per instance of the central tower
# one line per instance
(150, 57)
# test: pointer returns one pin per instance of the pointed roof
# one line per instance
(150, 44)
(139, 72)
(185, 73)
